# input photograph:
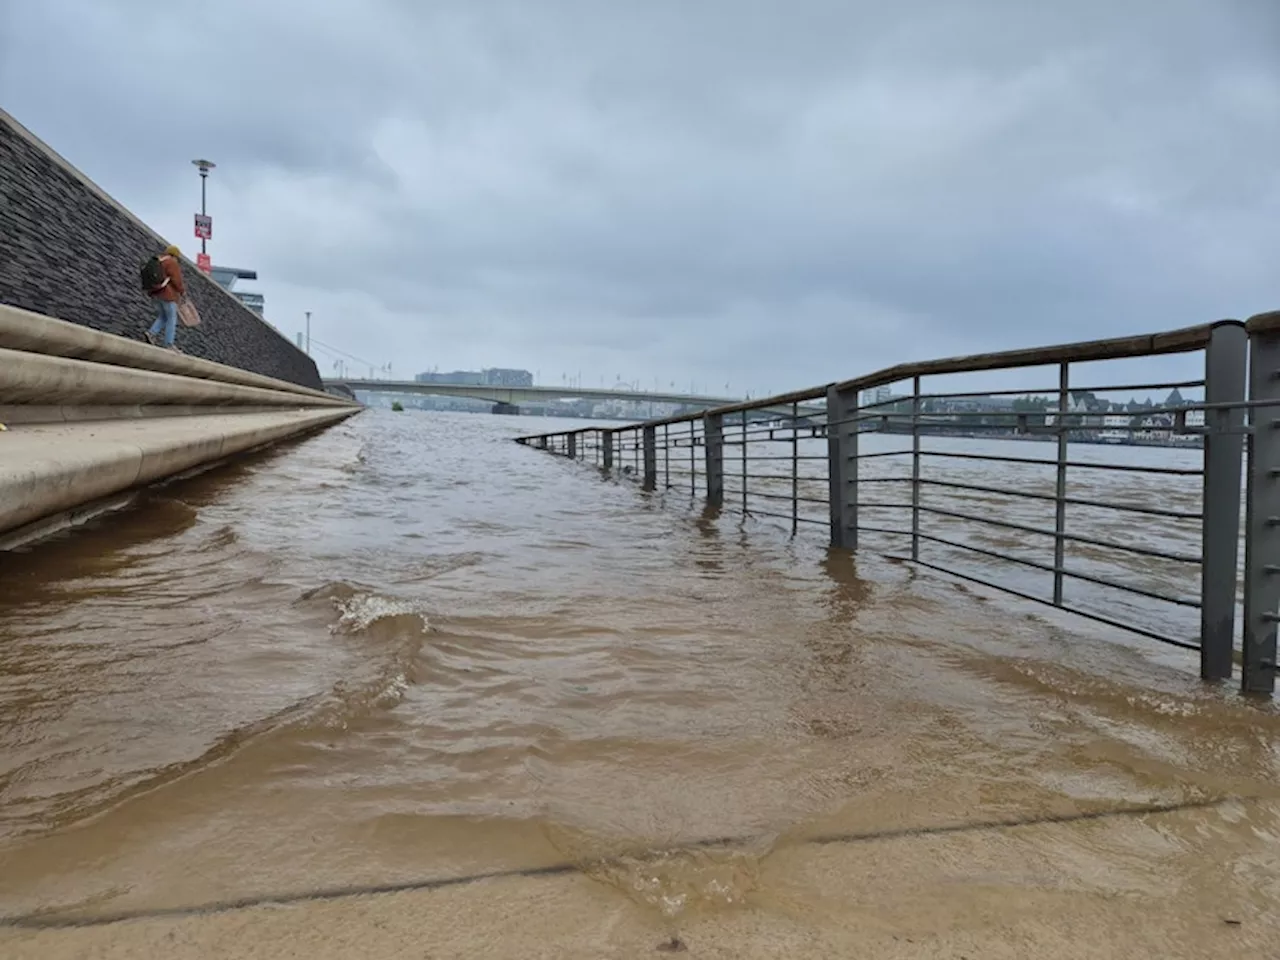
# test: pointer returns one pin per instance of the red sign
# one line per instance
(204, 262)
(204, 227)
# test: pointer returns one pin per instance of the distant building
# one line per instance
(494, 377)
(465, 378)
(877, 395)
(254, 301)
(504, 377)
(226, 278)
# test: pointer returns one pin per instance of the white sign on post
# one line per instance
(204, 227)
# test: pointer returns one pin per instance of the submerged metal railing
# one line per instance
(1158, 558)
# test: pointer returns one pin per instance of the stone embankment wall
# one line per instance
(67, 250)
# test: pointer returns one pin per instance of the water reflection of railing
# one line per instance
(1159, 559)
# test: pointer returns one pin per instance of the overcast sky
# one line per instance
(761, 194)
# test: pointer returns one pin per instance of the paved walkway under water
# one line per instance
(981, 893)
(408, 650)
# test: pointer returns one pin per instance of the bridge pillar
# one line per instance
(606, 446)
(509, 409)
(842, 466)
(572, 440)
(542, 443)
(650, 444)
(713, 438)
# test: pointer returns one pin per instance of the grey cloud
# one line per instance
(717, 191)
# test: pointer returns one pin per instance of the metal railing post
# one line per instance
(1060, 482)
(1262, 519)
(666, 459)
(795, 468)
(606, 447)
(713, 436)
(650, 443)
(915, 468)
(1225, 362)
(842, 466)
(571, 450)
(693, 460)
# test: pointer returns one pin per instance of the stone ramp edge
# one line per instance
(25, 331)
(33, 378)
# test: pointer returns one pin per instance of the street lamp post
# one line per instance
(204, 167)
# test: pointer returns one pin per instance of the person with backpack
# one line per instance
(162, 280)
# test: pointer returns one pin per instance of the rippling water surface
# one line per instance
(409, 648)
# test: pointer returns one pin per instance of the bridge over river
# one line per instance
(512, 397)
(407, 687)
(511, 400)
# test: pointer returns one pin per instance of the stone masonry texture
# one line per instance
(67, 252)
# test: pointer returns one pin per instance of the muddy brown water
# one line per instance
(408, 648)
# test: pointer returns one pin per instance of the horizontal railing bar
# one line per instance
(767, 477)
(883, 453)
(782, 516)
(1077, 464)
(1078, 501)
(1165, 471)
(734, 439)
(782, 496)
(1073, 538)
(1116, 388)
(783, 456)
(1187, 407)
(766, 403)
(1011, 421)
(968, 395)
(1050, 392)
(1099, 618)
(775, 476)
(864, 528)
(735, 430)
(1184, 340)
(1065, 571)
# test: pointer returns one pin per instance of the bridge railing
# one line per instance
(1131, 520)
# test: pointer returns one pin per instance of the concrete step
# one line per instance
(30, 332)
(49, 471)
(36, 378)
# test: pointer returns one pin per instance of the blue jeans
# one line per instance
(166, 317)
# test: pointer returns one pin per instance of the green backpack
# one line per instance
(153, 275)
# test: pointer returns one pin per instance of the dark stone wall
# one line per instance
(67, 251)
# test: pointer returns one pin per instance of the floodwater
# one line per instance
(1145, 499)
(408, 649)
